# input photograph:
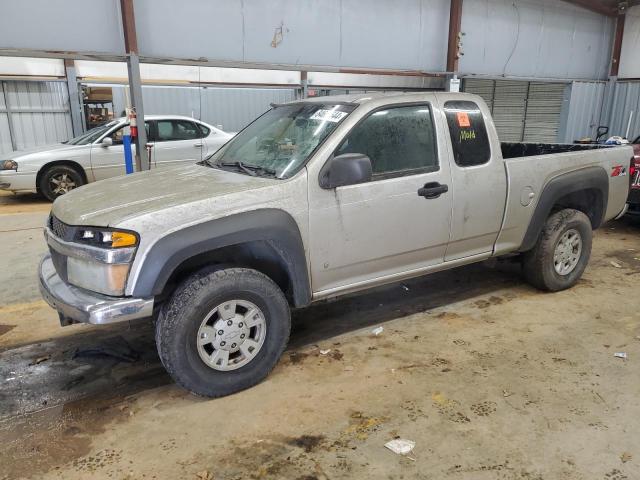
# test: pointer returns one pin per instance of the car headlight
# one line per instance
(8, 165)
(105, 238)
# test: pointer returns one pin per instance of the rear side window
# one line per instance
(468, 133)
(169, 130)
(398, 140)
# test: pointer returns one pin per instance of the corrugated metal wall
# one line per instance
(33, 114)
(5, 132)
(232, 108)
(625, 104)
(585, 111)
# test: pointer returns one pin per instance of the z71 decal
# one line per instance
(618, 171)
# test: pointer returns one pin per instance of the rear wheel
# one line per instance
(58, 180)
(223, 331)
(562, 251)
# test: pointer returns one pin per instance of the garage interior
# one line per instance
(491, 378)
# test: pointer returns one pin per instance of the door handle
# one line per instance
(197, 145)
(432, 190)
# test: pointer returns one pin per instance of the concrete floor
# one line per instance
(490, 378)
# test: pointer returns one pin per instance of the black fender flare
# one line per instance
(273, 226)
(590, 178)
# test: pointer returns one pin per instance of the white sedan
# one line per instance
(54, 170)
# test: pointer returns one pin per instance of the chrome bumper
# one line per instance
(87, 307)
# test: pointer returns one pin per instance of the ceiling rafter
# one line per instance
(603, 7)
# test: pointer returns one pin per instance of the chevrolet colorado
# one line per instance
(317, 199)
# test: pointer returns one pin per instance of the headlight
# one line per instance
(8, 165)
(100, 237)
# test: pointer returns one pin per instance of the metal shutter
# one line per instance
(483, 88)
(543, 112)
(522, 111)
(509, 106)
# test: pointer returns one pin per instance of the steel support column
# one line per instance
(135, 82)
(617, 45)
(75, 106)
(455, 23)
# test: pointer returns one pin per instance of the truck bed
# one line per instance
(517, 149)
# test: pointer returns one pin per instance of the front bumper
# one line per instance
(17, 181)
(82, 306)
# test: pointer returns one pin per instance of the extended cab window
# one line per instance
(468, 133)
(398, 140)
(171, 130)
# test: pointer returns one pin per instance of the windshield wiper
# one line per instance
(248, 168)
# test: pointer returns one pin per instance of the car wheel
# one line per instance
(561, 253)
(58, 180)
(223, 331)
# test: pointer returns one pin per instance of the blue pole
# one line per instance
(128, 157)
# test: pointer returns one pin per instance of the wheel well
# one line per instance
(69, 163)
(588, 201)
(259, 255)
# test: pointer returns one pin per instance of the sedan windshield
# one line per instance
(280, 142)
(93, 134)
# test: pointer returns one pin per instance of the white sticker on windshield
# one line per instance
(328, 115)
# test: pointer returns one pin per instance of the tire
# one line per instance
(181, 328)
(68, 179)
(542, 268)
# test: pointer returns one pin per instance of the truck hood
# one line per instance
(112, 201)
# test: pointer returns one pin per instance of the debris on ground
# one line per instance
(400, 446)
(325, 352)
(615, 264)
(40, 360)
(405, 288)
(377, 331)
(625, 457)
(204, 475)
(348, 368)
(620, 355)
(506, 393)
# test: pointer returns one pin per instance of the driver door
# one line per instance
(107, 162)
(370, 232)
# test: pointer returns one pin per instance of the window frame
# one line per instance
(486, 132)
(399, 173)
(195, 125)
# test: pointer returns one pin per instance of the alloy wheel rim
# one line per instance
(62, 183)
(567, 252)
(231, 335)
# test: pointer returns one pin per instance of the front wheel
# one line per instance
(58, 180)
(223, 331)
(562, 251)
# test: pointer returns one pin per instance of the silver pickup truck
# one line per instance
(317, 199)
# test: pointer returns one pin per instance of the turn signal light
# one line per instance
(123, 239)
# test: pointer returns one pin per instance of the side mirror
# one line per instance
(346, 169)
(107, 142)
(601, 132)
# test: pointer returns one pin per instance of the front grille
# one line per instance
(59, 229)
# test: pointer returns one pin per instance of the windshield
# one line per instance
(280, 142)
(93, 134)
